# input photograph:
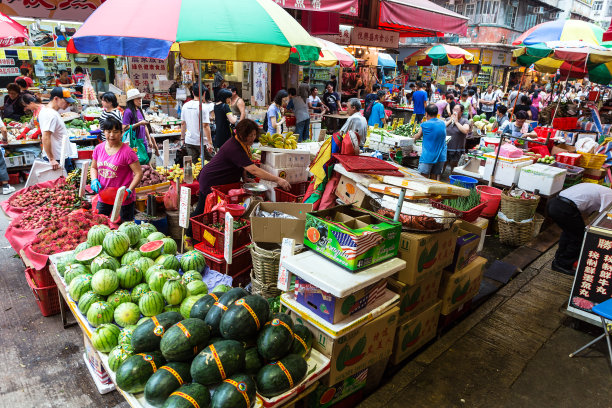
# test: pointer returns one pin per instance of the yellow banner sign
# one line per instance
(37, 53)
(23, 55)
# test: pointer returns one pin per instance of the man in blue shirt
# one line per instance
(377, 117)
(433, 132)
(419, 100)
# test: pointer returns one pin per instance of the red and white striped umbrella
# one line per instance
(11, 32)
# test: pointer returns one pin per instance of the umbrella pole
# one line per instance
(559, 99)
(200, 111)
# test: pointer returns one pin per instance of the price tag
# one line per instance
(23, 55)
(61, 54)
(84, 172)
(37, 54)
(229, 234)
(284, 276)
(210, 238)
(2, 54)
(185, 207)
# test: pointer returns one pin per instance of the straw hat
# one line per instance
(134, 94)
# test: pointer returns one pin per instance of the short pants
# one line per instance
(431, 168)
(3, 172)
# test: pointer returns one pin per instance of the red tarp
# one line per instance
(349, 7)
(420, 18)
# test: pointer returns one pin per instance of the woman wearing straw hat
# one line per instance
(134, 116)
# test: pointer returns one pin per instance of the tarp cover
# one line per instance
(420, 18)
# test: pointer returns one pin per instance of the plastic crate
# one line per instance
(468, 216)
(213, 239)
(241, 260)
(573, 172)
(13, 178)
(85, 154)
(14, 161)
(565, 123)
(47, 297)
(28, 157)
(222, 193)
(42, 278)
(295, 195)
(592, 161)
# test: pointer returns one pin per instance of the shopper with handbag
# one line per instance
(134, 118)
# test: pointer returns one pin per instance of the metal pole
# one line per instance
(559, 99)
(400, 204)
(200, 111)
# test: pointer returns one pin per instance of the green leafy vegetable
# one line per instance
(464, 203)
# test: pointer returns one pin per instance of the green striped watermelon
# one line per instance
(74, 270)
(191, 276)
(158, 279)
(152, 270)
(81, 246)
(64, 262)
(104, 282)
(87, 299)
(196, 287)
(141, 242)
(96, 234)
(169, 262)
(87, 255)
(104, 261)
(125, 338)
(138, 291)
(151, 303)
(172, 308)
(174, 291)
(155, 236)
(170, 246)
(152, 249)
(142, 320)
(118, 297)
(143, 264)
(100, 313)
(79, 286)
(129, 276)
(116, 357)
(127, 314)
(130, 257)
(146, 229)
(116, 243)
(193, 261)
(187, 304)
(131, 230)
(104, 338)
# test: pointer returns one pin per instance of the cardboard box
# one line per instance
(482, 224)
(122, 100)
(459, 287)
(425, 253)
(593, 174)
(334, 309)
(275, 229)
(467, 246)
(349, 192)
(416, 298)
(351, 236)
(358, 349)
(326, 396)
(413, 334)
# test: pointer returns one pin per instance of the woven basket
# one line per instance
(266, 260)
(515, 233)
(518, 209)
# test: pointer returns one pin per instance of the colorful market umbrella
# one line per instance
(241, 30)
(331, 55)
(441, 54)
(11, 32)
(561, 30)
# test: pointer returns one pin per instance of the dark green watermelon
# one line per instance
(244, 318)
(235, 392)
(213, 317)
(276, 338)
(133, 374)
(302, 340)
(252, 361)
(272, 380)
(183, 397)
(165, 381)
(227, 355)
(185, 340)
(200, 308)
(148, 335)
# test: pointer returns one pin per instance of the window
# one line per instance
(530, 20)
(597, 5)
(469, 9)
(489, 7)
(511, 12)
(459, 9)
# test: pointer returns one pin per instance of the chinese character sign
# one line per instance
(374, 38)
(260, 83)
(143, 71)
(73, 10)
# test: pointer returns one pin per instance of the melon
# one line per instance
(131, 230)
(116, 357)
(127, 314)
(86, 256)
(157, 280)
(81, 246)
(64, 262)
(146, 229)
(151, 303)
(87, 299)
(74, 270)
(104, 338)
(125, 337)
(222, 288)
(104, 261)
(196, 287)
(152, 249)
(170, 246)
(130, 257)
(143, 263)
(116, 243)
(96, 234)
(118, 297)
(193, 261)
(155, 236)
(187, 304)
(138, 291)
(129, 276)
(100, 313)
(142, 320)
(104, 282)
(168, 261)
(172, 308)
(191, 276)
(79, 286)
(174, 291)
(152, 270)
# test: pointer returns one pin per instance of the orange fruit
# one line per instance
(313, 234)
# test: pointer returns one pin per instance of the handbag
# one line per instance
(135, 143)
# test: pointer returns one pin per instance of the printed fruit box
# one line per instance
(351, 236)
(459, 287)
(413, 334)
(326, 396)
(466, 249)
(416, 298)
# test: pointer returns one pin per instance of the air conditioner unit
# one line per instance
(539, 10)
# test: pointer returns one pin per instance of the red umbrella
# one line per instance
(11, 32)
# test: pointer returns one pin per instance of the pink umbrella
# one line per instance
(11, 32)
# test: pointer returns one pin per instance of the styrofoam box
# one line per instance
(547, 179)
(508, 170)
(292, 174)
(275, 160)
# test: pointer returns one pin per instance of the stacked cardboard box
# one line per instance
(292, 165)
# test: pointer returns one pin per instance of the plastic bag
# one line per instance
(171, 198)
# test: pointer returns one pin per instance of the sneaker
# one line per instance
(8, 189)
(558, 268)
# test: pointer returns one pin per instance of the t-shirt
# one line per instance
(114, 171)
(76, 78)
(441, 104)
(418, 99)
(466, 108)
(28, 80)
(457, 141)
(130, 119)
(451, 107)
(377, 115)
(273, 112)
(358, 124)
(51, 121)
(190, 114)
(223, 130)
(434, 141)
(314, 100)
(588, 197)
(103, 117)
(300, 109)
(217, 79)
(225, 168)
(488, 97)
(332, 100)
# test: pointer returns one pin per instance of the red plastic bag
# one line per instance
(171, 198)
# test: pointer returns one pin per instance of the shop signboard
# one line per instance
(476, 53)
(445, 75)
(348, 7)
(143, 71)
(260, 83)
(8, 68)
(72, 10)
(413, 73)
(501, 58)
(374, 38)
(426, 75)
(486, 57)
(342, 38)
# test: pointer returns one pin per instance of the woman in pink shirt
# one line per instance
(115, 164)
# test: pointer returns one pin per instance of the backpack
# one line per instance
(368, 110)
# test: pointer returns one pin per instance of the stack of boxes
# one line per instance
(389, 141)
(292, 165)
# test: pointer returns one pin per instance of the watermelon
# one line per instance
(236, 392)
(138, 291)
(87, 255)
(202, 306)
(130, 257)
(168, 261)
(141, 242)
(104, 338)
(151, 303)
(187, 304)
(228, 354)
(302, 340)
(64, 262)
(96, 234)
(155, 236)
(148, 334)
(104, 282)
(74, 270)
(143, 264)
(146, 229)
(116, 357)
(213, 317)
(170, 246)
(190, 276)
(193, 261)
(275, 339)
(79, 286)
(133, 374)
(104, 261)
(252, 361)
(81, 246)
(244, 318)
(184, 340)
(196, 287)
(100, 313)
(152, 269)
(174, 291)
(116, 243)
(142, 320)
(152, 249)
(131, 230)
(157, 280)
(118, 297)
(125, 338)
(272, 380)
(188, 396)
(172, 308)
(129, 276)
(127, 314)
(222, 288)
(165, 381)
(87, 299)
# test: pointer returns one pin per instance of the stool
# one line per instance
(604, 311)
